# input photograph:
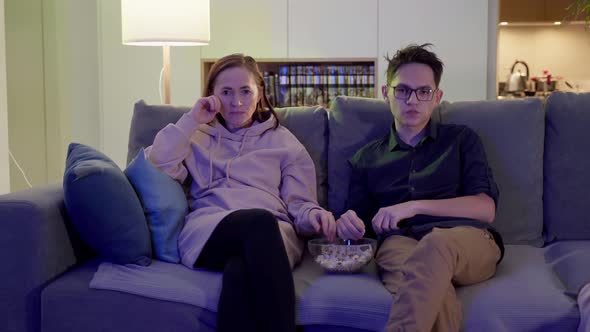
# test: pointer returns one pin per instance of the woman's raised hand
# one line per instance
(205, 109)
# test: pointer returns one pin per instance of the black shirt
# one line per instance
(448, 162)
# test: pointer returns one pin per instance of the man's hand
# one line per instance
(323, 222)
(387, 218)
(205, 109)
(349, 226)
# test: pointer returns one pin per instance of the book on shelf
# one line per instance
(309, 84)
(284, 87)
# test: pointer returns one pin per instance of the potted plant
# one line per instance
(580, 8)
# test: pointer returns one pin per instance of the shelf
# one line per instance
(307, 82)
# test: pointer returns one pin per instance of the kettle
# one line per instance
(517, 81)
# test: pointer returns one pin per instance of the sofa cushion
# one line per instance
(571, 262)
(512, 133)
(348, 300)
(68, 304)
(177, 283)
(524, 295)
(566, 165)
(104, 208)
(164, 204)
(308, 124)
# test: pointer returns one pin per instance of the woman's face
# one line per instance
(237, 90)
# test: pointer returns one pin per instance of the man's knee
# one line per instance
(439, 241)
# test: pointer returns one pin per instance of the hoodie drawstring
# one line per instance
(228, 167)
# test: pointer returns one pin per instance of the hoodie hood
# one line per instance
(217, 132)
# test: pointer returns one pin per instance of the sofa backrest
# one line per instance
(308, 124)
(511, 131)
(567, 167)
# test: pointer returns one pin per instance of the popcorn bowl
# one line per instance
(342, 256)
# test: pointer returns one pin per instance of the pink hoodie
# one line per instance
(255, 167)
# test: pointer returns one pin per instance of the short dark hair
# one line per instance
(414, 53)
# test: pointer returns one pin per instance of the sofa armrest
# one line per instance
(37, 244)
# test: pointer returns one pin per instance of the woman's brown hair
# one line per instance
(263, 107)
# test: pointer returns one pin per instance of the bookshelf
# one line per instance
(308, 82)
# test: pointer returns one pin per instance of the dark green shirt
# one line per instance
(448, 162)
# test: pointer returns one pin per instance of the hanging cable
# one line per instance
(20, 169)
(160, 85)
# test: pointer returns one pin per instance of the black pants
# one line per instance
(257, 291)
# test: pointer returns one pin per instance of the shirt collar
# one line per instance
(395, 142)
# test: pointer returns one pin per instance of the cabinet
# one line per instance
(256, 28)
(328, 28)
(555, 10)
(307, 82)
(518, 11)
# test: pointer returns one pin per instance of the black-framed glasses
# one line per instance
(403, 92)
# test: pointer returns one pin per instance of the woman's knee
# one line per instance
(257, 221)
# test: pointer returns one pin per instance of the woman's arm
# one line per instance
(299, 192)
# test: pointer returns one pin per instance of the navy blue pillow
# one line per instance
(164, 203)
(104, 208)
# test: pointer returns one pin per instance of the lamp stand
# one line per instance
(166, 59)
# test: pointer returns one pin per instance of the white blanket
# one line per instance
(163, 281)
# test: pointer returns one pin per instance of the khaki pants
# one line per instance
(420, 275)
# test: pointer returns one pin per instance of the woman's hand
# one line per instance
(323, 221)
(205, 109)
(349, 226)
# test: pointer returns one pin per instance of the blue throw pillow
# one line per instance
(164, 203)
(104, 208)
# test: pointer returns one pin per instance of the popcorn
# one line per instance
(343, 258)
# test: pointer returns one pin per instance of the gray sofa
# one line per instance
(539, 156)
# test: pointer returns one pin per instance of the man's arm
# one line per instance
(478, 200)
(480, 207)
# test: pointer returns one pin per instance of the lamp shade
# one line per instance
(165, 22)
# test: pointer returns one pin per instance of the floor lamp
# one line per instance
(165, 23)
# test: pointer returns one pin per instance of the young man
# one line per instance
(427, 192)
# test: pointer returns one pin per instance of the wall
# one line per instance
(51, 48)
(4, 161)
(563, 50)
(25, 91)
(130, 73)
(293, 29)
(457, 28)
(71, 78)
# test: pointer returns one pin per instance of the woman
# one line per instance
(253, 184)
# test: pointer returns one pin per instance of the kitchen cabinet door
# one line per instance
(522, 10)
(257, 28)
(555, 10)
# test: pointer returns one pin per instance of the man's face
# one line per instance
(412, 109)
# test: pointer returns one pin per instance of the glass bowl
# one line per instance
(342, 256)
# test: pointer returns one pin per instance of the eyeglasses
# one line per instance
(403, 92)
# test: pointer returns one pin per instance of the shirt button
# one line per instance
(411, 188)
(413, 171)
